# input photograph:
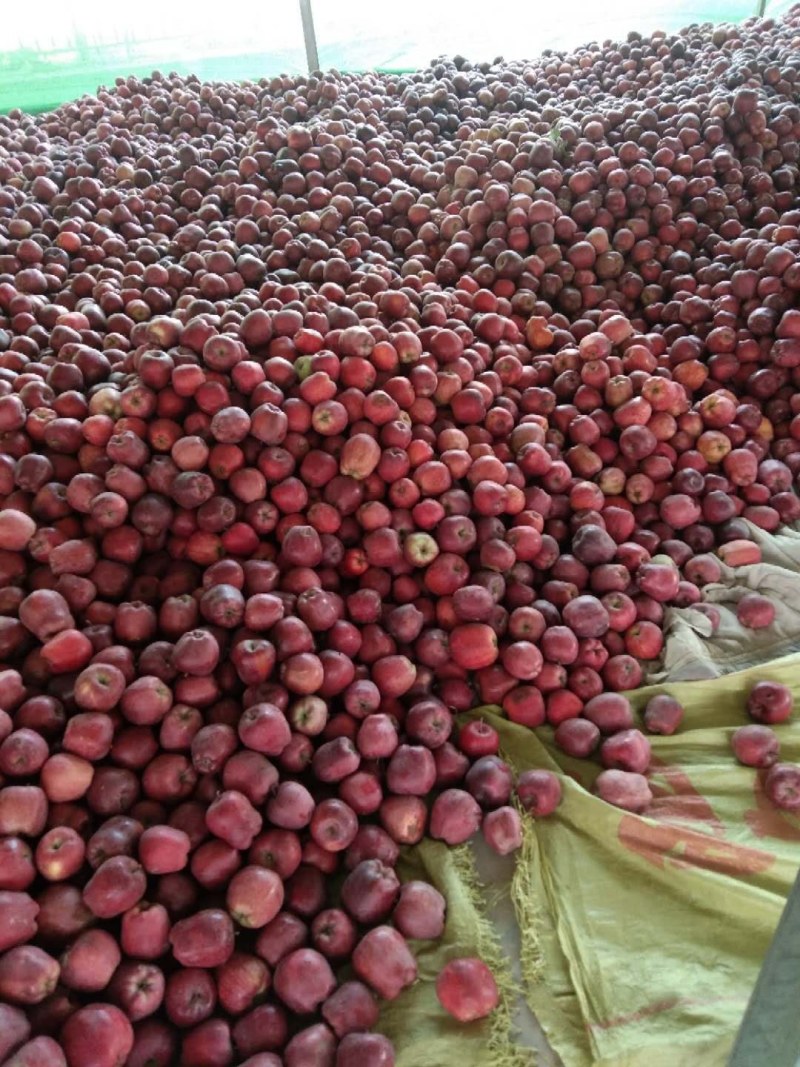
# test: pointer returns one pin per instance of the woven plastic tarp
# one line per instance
(635, 941)
(641, 936)
(68, 50)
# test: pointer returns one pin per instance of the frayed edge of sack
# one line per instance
(522, 891)
(502, 1046)
(527, 908)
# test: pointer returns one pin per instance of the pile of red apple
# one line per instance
(331, 407)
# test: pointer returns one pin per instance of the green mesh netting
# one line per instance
(67, 51)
